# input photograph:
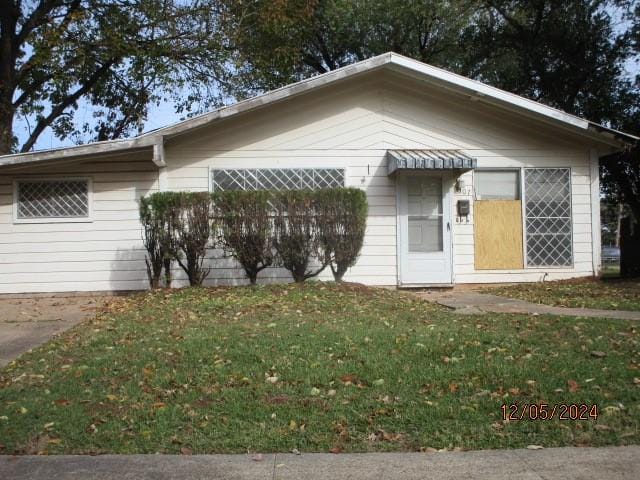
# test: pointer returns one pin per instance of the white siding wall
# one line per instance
(105, 254)
(349, 126)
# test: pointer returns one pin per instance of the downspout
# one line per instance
(159, 160)
(596, 234)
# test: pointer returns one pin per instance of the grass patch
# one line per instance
(611, 294)
(316, 367)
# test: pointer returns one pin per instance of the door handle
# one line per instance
(448, 227)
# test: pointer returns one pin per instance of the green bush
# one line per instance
(342, 215)
(192, 214)
(176, 226)
(157, 236)
(245, 228)
(301, 230)
(296, 234)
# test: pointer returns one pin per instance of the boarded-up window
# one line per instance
(548, 217)
(498, 220)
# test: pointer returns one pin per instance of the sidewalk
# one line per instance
(610, 463)
(470, 302)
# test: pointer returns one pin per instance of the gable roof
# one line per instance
(477, 91)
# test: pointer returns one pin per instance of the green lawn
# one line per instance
(318, 368)
(608, 294)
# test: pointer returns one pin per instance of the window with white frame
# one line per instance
(548, 217)
(276, 178)
(52, 199)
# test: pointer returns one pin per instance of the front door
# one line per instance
(425, 229)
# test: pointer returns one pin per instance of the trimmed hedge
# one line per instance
(302, 231)
(245, 229)
(297, 234)
(156, 237)
(176, 226)
(342, 215)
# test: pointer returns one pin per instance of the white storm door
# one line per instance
(425, 230)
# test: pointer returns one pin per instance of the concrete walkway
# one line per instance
(611, 463)
(470, 302)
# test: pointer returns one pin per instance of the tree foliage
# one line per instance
(276, 43)
(117, 56)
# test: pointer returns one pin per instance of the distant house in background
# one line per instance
(465, 182)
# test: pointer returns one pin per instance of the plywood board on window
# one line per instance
(498, 234)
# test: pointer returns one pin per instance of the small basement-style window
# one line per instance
(276, 178)
(497, 184)
(52, 200)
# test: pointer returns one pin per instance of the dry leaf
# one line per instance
(186, 451)
(573, 386)
(348, 379)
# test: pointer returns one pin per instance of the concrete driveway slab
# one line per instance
(27, 322)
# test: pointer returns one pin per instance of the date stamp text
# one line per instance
(547, 411)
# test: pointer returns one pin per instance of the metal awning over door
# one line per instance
(427, 160)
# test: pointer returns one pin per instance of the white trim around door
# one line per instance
(424, 229)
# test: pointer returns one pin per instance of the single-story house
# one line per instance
(466, 183)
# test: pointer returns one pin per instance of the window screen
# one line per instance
(548, 217)
(52, 199)
(276, 179)
(497, 184)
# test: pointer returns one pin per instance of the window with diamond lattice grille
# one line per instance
(276, 179)
(548, 217)
(52, 199)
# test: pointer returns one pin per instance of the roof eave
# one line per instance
(77, 152)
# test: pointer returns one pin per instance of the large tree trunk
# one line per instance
(6, 127)
(9, 13)
(629, 248)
